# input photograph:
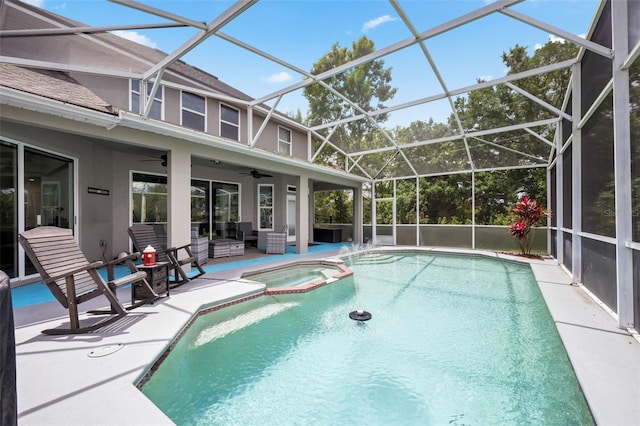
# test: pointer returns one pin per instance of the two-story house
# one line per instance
(98, 133)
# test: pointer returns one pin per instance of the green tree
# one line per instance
(406, 201)
(500, 106)
(445, 199)
(333, 206)
(367, 85)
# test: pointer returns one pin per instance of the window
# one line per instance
(149, 202)
(229, 122)
(193, 111)
(265, 207)
(284, 140)
(156, 107)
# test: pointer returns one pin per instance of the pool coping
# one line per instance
(58, 383)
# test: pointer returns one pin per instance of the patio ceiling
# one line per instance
(428, 82)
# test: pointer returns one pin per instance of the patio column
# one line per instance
(179, 200)
(374, 219)
(303, 195)
(622, 165)
(357, 234)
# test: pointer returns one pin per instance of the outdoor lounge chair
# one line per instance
(246, 234)
(73, 279)
(144, 235)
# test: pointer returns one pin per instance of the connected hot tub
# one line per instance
(299, 277)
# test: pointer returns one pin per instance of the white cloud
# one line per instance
(136, 38)
(280, 77)
(552, 38)
(376, 22)
(37, 3)
(556, 39)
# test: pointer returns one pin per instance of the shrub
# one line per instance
(527, 213)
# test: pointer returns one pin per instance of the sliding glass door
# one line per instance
(215, 206)
(9, 209)
(36, 189)
(48, 193)
(226, 208)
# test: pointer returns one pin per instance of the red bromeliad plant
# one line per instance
(528, 213)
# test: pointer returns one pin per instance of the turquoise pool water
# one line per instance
(453, 340)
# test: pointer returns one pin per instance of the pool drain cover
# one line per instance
(105, 350)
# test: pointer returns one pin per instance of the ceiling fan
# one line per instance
(256, 174)
(162, 158)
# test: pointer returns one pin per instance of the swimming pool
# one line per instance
(453, 340)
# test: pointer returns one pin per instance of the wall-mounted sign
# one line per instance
(99, 191)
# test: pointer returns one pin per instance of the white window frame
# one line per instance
(143, 217)
(192, 111)
(265, 206)
(282, 143)
(20, 273)
(159, 98)
(223, 105)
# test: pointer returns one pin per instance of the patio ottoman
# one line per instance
(236, 248)
(219, 248)
(225, 247)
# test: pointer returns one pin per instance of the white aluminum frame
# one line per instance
(214, 28)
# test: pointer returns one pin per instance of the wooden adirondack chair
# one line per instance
(73, 279)
(144, 235)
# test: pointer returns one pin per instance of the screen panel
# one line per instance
(598, 195)
(567, 180)
(596, 69)
(599, 271)
(567, 244)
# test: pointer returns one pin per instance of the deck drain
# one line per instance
(105, 350)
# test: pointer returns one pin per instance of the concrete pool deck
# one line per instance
(90, 378)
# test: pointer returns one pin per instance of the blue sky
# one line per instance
(302, 31)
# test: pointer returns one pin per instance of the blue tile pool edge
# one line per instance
(37, 292)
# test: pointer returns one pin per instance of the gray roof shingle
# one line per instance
(53, 85)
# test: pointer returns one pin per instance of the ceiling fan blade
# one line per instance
(162, 158)
(254, 173)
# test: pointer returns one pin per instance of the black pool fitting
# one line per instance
(360, 315)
